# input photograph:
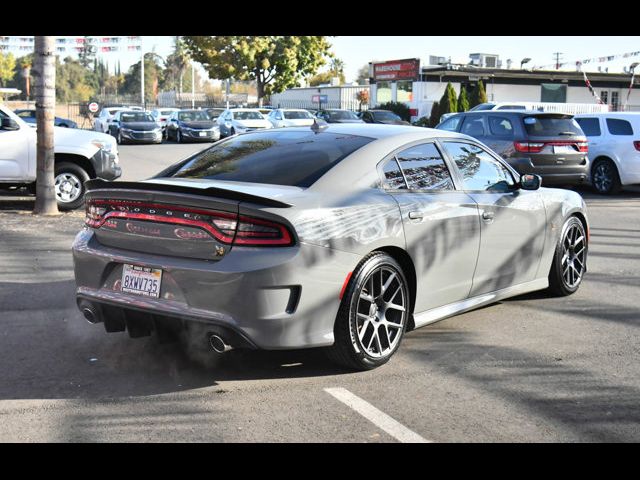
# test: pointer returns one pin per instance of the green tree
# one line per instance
(7, 68)
(449, 101)
(74, 82)
(275, 63)
(478, 95)
(176, 66)
(463, 100)
(153, 76)
(322, 78)
(434, 116)
(363, 75)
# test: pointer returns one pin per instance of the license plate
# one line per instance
(563, 149)
(203, 134)
(143, 281)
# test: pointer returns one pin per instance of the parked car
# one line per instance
(162, 115)
(241, 120)
(614, 149)
(134, 126)
(80, 155)
(382, 116)
(214, 113)
(551, 107)
(551, 145)
(29, 116)
(103, 120)
(192, 126)
(290, 117)
(265, 111)
(335, 115)
(343, 237)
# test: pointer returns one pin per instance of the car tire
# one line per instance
(232, 131)
(363, 339)
(119, 139)
(69, 185)
(178, 136)
(605, 177)
(569, 259)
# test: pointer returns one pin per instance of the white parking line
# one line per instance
(375, 416)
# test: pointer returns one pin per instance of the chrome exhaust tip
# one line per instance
(90, 315)
(218, 344)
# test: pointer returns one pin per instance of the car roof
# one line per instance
(610, 114)
(377, 131)
(510, 112)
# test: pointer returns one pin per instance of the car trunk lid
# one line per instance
(185, 219)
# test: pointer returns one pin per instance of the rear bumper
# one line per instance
(553, 174)
(274, 298)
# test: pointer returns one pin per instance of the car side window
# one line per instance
(500, 126)
(278, 116)
(478, 169)
(590, 126)
(451, 124)
(424, 168)
(473, 126)
(393, 178)
(619, 127)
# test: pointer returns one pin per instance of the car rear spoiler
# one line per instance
(99, 184)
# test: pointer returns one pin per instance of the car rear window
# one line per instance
(619, 127)
(551, 126)
(293, 115)
(294, 158)
(590, 126)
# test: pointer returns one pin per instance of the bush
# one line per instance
(399, 108)
(422, 122)
(434, 117)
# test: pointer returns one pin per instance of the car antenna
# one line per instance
(318, 126)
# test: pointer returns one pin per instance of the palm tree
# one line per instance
(45, 113)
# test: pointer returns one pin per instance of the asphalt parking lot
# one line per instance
(528, 369)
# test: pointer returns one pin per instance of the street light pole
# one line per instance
(142, 79)
(524, 60)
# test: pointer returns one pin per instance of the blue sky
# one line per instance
(356, 51)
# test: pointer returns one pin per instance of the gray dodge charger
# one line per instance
(340, 236)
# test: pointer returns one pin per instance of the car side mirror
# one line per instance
(9, 124)
(530, 181)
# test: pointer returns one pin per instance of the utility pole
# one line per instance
(557, 55)
(45, 69)
(142, 79)
(193, 85)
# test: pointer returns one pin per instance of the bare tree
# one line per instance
(45, 73)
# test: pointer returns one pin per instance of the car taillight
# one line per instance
(583, 147)
(254, 231)
(223, 226)
(636, 144)
(528, 147)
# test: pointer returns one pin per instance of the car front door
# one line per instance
(441, 224)
(17, 151)
(513, 221)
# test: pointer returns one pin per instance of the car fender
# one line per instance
(559, 205)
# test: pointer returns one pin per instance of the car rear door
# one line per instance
(441, 223)
(513, 221)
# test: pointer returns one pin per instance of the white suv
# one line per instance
(614, 149)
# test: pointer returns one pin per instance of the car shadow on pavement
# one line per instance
(48, 350)
(561, 392)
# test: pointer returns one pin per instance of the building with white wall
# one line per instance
(342, 96)
(506, 85)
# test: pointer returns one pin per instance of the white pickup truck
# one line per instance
(80, 155)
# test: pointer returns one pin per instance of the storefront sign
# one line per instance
(320, 98)
(408, 69)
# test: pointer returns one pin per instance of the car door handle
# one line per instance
(488, 216)
(415, 215)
